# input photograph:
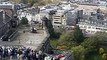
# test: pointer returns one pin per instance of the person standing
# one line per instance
(19, 54)
(1, 53)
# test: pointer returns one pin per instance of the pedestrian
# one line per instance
(16, 53)
(37, 55)
(34, 56)
(1, 53)
(19, 55)
(43, 55)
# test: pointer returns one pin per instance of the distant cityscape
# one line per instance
(53, 29)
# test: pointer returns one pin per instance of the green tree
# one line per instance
(78, 52)
(41, 3)
(32, 2)
(78, 35)
(101, 51)
(67, 39)
(95, 41)
(48, 1)
(24, 1)
(90, 43)
(104, 56)
(50, 28)
(16, 1)
(24, 21)
(102, 36)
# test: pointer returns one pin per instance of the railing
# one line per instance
(13, 35)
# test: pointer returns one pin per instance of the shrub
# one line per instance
(101, 50)
(24, 21)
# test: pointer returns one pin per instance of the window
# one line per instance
(88, 31)
(57, 22)
(92, 27)
(89, 27)
(56, 18)
(81, 26)
(98, 28)
(85, 26)
(62, 15)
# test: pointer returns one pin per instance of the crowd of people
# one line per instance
(23, 53)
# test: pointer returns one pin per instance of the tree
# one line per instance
(78, 52)
(67, 39)
(41, 3)
(24, 1)
(31, 2)
(102, 36)
(101, 50)
(78, 35)
(50, 28)
(16, 1)
(48, 1)
(71, 39)
(90, 43)
(104, 56)
(24, 20)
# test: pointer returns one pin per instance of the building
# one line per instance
(91, 24)
(71, 19)
(31, 14)
(3, 0)
(59, 20)
(5, 23)
(90, 29)
(9, 20)
(59, 17)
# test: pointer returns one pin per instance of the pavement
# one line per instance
(27, 39)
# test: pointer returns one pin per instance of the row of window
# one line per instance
(89, 31)
(89, 27)
(57, 22)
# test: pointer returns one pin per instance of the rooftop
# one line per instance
(5, 3)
